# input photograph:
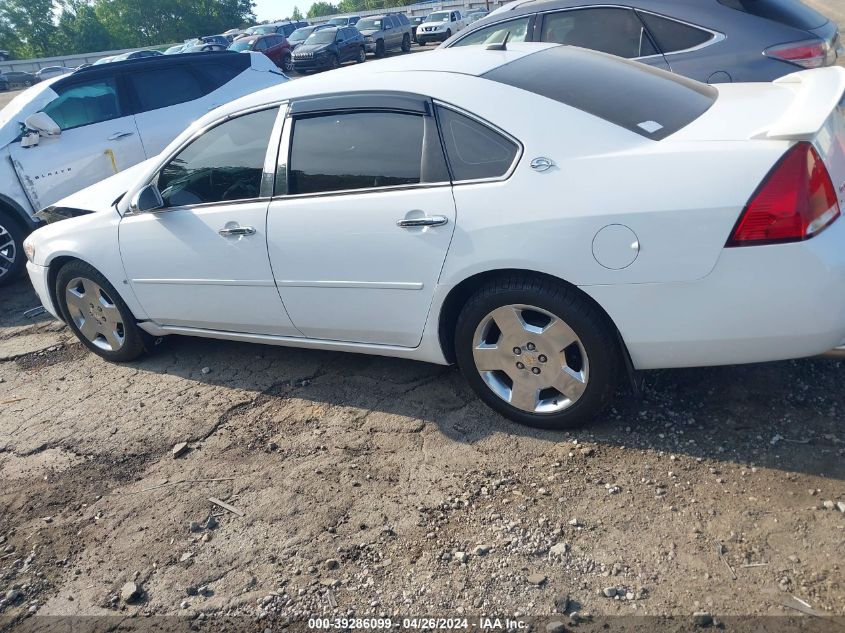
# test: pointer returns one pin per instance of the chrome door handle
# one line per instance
(237, 231)
(118, 135)
(434, 220)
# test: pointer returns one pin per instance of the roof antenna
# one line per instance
(500, 46)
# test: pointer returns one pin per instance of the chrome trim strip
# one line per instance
(374, 285)
(347, 192)
(268, 178)
(208, 282)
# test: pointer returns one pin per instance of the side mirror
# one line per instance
(42, 123)
(147, 199)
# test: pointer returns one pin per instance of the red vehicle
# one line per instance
(275, 46)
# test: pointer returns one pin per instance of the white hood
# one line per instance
(102, 196)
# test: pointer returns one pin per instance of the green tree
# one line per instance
(321, 8)
(80, 30)
(296, 16)
(27, 28)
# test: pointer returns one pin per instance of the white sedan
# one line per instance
(549, 218)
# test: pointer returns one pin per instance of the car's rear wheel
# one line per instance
(362, 55)
(380, 50)
(406, 43)
(96, 314)
(287, 63)
(12, 258)
(538, 352)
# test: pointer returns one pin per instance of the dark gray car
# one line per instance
(707, 40)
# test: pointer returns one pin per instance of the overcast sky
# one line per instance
(278, 9)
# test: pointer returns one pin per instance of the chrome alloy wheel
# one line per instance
(531, 359)
(8, 251)
(95, 314)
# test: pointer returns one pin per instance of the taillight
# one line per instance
(807, 54)
(795, 202)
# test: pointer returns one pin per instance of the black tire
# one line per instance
(421, 42)
(362, 55)
(12, 257)
(448, 34)
(596, 333)
(380, 50)
(335, 63)
(287, 63)
(133, 337)
(406, 43)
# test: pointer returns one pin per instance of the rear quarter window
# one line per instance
(788, 12)
(673, 36)
(645, 100)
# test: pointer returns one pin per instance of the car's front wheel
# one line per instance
(287, 63)
(538, 352)
(12, 259)
(380, 50)
(97, 315)
(406, 43)
(362, 55)
(334, 62)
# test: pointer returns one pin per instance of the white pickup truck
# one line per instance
(440, 26)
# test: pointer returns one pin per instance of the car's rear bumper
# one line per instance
(39, 278)
(760, 303)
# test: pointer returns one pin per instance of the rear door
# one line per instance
(359, 236)
(99, 138)
(614, 30)
(167, 100)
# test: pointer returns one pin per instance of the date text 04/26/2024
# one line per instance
(482, 623)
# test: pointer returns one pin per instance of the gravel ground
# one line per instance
(373, 486)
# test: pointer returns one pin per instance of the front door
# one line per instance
(358, 242)
(97, 141)
(201, 261)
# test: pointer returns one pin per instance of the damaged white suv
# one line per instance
(68, 133)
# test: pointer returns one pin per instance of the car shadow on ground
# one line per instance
(784, 415)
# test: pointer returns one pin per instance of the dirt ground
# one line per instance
(370, 486)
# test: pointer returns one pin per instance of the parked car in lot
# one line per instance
(345, 20)
(4, 83)
(301, 34)
(279, 28)
(488, 236)
(716, 41)
(475, 16)
(386, 32)
(102, 120)
(276, 47)
(206, 47)
(17, 79)
(439, 26)
(135, 55)
(52, 71)
(329, 48)
(415, 22)
(4, 56)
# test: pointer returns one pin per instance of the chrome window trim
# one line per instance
(717, 36)
(232, 115)
(520, 148)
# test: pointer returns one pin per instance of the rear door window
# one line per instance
(345, 151)
(673, 36)
(164, 87)
(616, 31)
(495, 33)
(788, 12)
(474, 150)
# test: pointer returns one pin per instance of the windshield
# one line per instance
(264, 30)
(241, 45)
(299, 35)
(369, 25)
(439, 16)
(325, 36)
(341, 21)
